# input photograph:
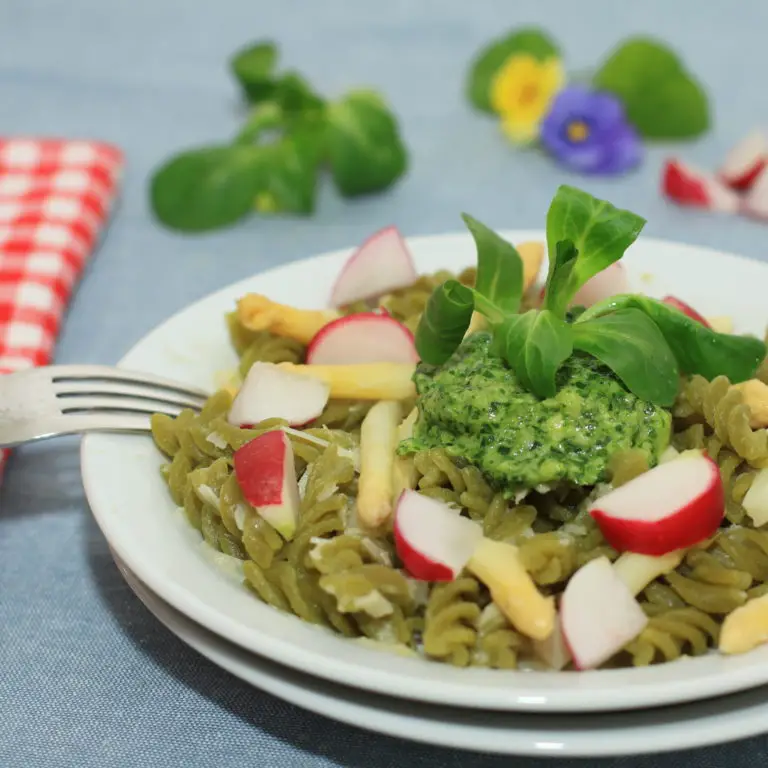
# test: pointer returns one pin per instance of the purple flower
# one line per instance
(588, 132)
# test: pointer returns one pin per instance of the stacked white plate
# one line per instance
(190, 589)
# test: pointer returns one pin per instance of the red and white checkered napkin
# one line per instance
(55, 199)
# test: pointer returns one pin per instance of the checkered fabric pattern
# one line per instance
(55, 199)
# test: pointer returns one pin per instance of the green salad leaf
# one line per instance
(499, 282)
(557, 293)
(487, 63)
(254, 66)
(294, 95)
(633, 347)
(645, 342)
(207, 188)
(290, 136)
(444, 322)
(698, 349)
(661, 99)
(364, 147)
(287, 176)
(600, 232)
(536, 344)
(267, 116)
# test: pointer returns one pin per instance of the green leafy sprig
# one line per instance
(645, 342)
(273, 164)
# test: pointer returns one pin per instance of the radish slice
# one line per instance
(381, 264)
(756, 201)
(745, 162)
(687, 185)
(433, 541)
(270, 392)
(673, 506)
(598, 613)
(686, 309)
(368, 337)
(266, 474)
(609, 282)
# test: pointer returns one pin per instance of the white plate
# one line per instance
(133, 509)
(570, 735)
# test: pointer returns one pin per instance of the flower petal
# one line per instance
(520, 131)
(626, 152)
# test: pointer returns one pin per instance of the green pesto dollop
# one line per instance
(474, 407)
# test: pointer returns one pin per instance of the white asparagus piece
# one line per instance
(364, 381)
(378, 440)
(638, 571)
(498, 566)
(258, 313)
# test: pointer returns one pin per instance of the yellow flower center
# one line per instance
(577, 131)
(528, 94)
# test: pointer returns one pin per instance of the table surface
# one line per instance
(89, 678)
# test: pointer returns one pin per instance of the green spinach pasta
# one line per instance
(449, 498)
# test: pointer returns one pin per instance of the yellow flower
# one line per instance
(522, 91)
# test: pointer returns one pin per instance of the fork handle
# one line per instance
(17, 433)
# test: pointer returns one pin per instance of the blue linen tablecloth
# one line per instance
(87, 677)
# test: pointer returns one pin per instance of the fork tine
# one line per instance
(63, 373)
(72, 424)
(75, 390)
(114, 404)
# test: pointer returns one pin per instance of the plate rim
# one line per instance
(304, 694)
(526, 698)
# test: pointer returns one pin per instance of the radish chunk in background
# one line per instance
(756, 200)
(686, 309)
(266, 474)
(434, 542)
(367, 337)
(672, 506)
(269, 392)
(598, 614)
(689, 186)
(380, 265)
(611, 281)
(745, 161)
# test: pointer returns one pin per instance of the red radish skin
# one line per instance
(745, 162)
(686, 309)
(673, 506)
(686, 185)
(433, 541)
(756, 200)
(367, 337)
(269, 392)
(381, 264)
(598, 614)
(265, 471)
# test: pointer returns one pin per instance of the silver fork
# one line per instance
(54, 400)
